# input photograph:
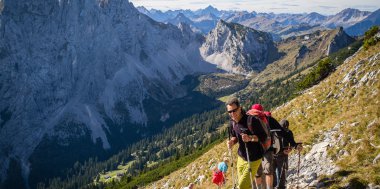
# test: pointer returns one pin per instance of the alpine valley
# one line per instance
(95, 91)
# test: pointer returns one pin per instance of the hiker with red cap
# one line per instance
(275, 130)
(247, 132)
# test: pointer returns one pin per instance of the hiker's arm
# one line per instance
(290, 139)
(297, 146)
(249, 138)
(231, 142)
(233, 139)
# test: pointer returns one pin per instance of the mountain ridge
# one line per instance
(273, 23)
(359, 28)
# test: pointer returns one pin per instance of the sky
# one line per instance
(326, 7)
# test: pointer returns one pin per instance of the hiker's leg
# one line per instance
(269, 181)
(268, 169)
(277, 170)
(243, 171)
(258, 176)
(284, 161)
(255, 167)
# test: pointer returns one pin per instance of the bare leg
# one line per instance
(258, 182)
(269, 181)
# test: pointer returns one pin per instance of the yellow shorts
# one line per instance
(243, 173)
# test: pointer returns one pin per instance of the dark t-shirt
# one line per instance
(289, 141)
(285, 134)
(254, 148)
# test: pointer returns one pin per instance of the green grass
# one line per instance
(113, 174)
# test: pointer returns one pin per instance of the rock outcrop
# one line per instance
(238, 49)
(339, 41)
(314, 163)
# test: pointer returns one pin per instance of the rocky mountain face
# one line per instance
(346, 18)
(303, 51)
(361, 27)
(340, 40)
(79, 72)
(204, 23)
(238, 49)
(180, 18)
(312, 18)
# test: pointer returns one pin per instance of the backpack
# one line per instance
(273, 139)
(268, 141)
(218, 177)
(276, 142)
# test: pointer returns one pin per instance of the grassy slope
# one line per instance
(317, 46)
(357, 106)
(315, 111)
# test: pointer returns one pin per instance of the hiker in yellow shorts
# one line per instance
(248, 132)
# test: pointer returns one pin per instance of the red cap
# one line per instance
(257, 107)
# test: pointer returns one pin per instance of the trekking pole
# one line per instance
(249, 165)
(298, 168)
(232, 161)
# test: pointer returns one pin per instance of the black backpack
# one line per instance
(268, 141)
(273, 140)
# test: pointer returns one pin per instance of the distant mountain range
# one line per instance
(360, 27)
(279, 25)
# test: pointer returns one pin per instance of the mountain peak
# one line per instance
(207, 10)
(142, 9)
(360, 27)
(350, 10)
(211, 8)
(237, 48)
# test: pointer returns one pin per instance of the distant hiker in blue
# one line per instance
(222, 166)
(250, 151)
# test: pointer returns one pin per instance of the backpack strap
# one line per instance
(249, 123)
(231, 129)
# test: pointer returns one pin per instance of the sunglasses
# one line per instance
(233, 111)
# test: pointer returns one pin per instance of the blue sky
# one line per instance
(326, 7)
